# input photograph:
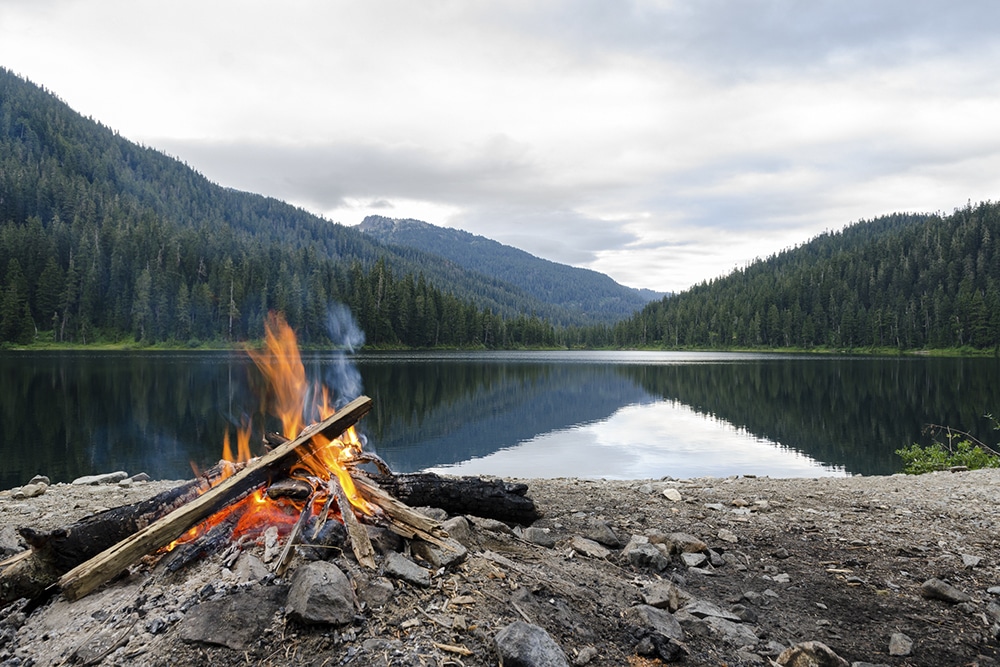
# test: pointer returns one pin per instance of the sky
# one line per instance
(661, 142)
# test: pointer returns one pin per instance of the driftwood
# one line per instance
(82, 556)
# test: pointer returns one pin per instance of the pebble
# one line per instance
(727, 536)
(673, 495)
(321, 594)
(969, 561)
(401, 567)
(810, 654)
(900, 645)
(105, 478)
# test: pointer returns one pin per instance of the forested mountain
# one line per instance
(902, 281)
(101, 238)
(587, 295)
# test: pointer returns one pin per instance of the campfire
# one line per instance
(308, 483)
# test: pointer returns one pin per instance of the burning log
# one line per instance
(102, 568)
(488, 498)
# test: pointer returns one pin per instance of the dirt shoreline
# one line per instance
(841, 561)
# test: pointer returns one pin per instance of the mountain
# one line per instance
(587, 295)
(103, 238)
(906, 281)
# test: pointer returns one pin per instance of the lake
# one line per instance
(626, 415)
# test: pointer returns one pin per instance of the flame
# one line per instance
(281, 365)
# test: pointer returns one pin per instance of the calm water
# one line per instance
(615, 415)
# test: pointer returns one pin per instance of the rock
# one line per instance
(969, 561)
(673, 495)
(644, 554)
(539, 536)
(401, 567)
(40, 479)
(235, 621)
(588, 548)
(125, 483)
(716, 559)
(693, 559)
(106, 478)
(664, 648)
(683, 543)
(733, 633)
(644, 620)
(521, 644)
(271, 547)
(811, 654)
(727, 536)
(140, 477)
(491, 525)
(436, 556)
(665, 595)
(585, 655)
(435, 513)
(375, 593)
(993, 590)
(645, 489)
(321, 595)
(745, 614)
(458, 529)
(936, 589)
(900, 645)
(30, 491)
(716, 507)
(602, 534)
(250, 568)
(383, 540)
(703, 609)
(10, 541)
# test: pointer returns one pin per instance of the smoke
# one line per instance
(342, 376)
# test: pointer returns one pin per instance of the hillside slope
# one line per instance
(588, 294)
(905, 280)
(102, 237)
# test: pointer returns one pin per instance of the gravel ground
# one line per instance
(842, 561)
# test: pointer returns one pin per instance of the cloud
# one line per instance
(659, 141)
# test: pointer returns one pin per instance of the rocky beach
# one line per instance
(896, 570)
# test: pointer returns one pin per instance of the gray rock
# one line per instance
(10, 541)
(683, 543)
(140, 477)
(588, 547)
(673, 495)
(645, 620)
(733, 633)
(727, 536)
(321, 595)
(401, 567)
(703, 609)
(645, 489)
(745, 614)
(521, 644)
(435, 513)
(811, 654)
(993, 590)
(437, 556)
(665, 595)
(716, 559)
(383, 539)
(106, 478)
(693, 559)
(969, 561)
(584, 656)
(458, 529)
(271, 546)
(250, 568)
(644, 554)
(601, 533)
(491, 525)
(900, 645)
(993, 609)
(40, 479)
(936, 589)
(375, 593)
(868, 664)
(234, 621)
(30, 491)
(539, 536)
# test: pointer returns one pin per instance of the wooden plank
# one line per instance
(103, 567)
(361, 544)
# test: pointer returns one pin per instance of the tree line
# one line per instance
(902, 281)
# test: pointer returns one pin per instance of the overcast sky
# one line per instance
(663, 143)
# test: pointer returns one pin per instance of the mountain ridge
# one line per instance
(590, 294)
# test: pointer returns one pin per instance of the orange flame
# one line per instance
(281, 365)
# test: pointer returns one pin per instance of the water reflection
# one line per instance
(631, 415)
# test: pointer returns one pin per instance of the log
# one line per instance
(103, 567)
(488, 498)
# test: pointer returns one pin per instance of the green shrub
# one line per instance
(918, 459)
